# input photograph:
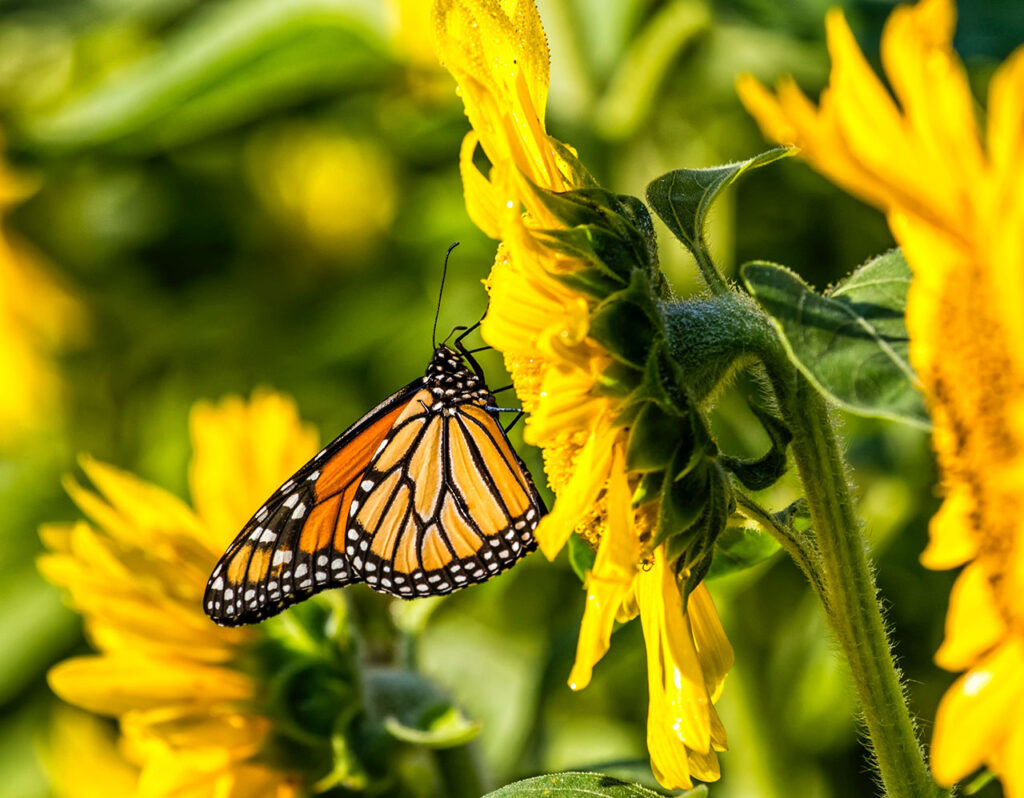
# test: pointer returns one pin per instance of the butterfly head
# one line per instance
(451, 382)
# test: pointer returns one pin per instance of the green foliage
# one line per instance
(852, 341)
(683, 197)
(414, 711)
(571, 785)
(581, 556)
(739, 548)
(233, 62)
(34, 625)
(765, 471)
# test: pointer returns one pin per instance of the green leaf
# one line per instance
(852, 342)
(414, 710)
(683, 503)
(447, 729)
(978, 782)
(575, 784)
(234, 62)
(739, 548)
(683, 196)
(626, 322)
(581, 556)
(654, 437)
(767, 470)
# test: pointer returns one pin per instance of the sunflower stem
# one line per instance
(852, 605)
(802, 550)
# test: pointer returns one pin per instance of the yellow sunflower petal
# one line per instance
(580, 494)
(670, 761)
(974, 623)
(141, 506)
(498, 54)
(82, 758)
(113, 685)
(950, 542)
(179, 728)
(481, 199)
(716, 654)
(611, 578)
(973, 717)
(1009, 763)
(675, 678)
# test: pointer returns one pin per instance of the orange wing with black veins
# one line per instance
(293, 546)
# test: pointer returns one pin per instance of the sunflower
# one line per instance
(180, 687)
(954, 200)
(544, 325)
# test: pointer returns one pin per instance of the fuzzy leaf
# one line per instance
(683, 197)
(852, 342)
(567, 785)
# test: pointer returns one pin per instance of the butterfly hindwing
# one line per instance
(446, 503)
(293, 546)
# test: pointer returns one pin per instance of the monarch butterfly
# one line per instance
(422, 496)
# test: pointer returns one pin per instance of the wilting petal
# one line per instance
(611, 578)
(713, 647)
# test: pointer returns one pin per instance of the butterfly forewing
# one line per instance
(294, 545)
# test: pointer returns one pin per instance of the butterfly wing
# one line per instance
(293, 546)
(445, 504)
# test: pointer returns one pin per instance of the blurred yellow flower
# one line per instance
(136, 571)
(955, 204)
(335, 191)
(408, 19)
(497, 52)
(37, 318)
(82, 757)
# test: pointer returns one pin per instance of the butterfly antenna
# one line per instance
(440, 292)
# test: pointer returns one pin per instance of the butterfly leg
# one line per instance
(517, 410)
(466, 353)
(514, 421)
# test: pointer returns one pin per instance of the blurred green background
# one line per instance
(216, 196)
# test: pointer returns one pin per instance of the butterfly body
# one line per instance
(422, 496)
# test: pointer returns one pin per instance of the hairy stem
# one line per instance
(803, 551)
(853, 606)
